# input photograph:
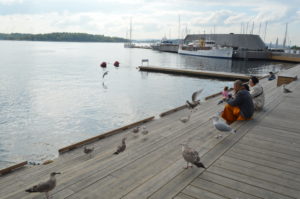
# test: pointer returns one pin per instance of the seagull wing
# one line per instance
(196, 94)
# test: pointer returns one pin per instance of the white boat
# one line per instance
(206, 48)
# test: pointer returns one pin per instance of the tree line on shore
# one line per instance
(64, 36)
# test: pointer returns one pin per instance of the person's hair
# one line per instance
(246, 86)
(271, 73)
(254, 80)
(226, 88)
(238, 83)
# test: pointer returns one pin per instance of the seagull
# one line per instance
(88, 150)
(195, 102)
(44, 186)
(221, 126)
(105, 73)
(191, 156)
(121, 147)
(185, 119)
(285, 90)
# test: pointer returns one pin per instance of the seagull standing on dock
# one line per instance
(135, 131)
(195, 101)
(45, 187)
(221, 126)
(121, 147)
(285, 90)
(144, 132)
(191, 156)
(88, 151)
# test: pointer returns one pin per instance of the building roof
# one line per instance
(242, 41)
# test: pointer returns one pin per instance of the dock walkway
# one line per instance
(260, 161)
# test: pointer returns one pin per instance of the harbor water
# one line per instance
(52, 94)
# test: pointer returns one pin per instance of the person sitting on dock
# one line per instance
(225, 95)
(240, 107)
(257, 93)
(271, 76)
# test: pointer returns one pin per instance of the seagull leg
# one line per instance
(187, 165)
(47, 195)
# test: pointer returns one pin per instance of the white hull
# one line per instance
(214, 52)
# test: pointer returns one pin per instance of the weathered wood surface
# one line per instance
(260, 161)
(200, 73)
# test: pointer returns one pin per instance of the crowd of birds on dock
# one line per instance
(189, 154)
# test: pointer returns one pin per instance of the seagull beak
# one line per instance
(57, 173)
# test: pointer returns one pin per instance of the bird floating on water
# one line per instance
(285, 90)
(191, 156)
(195, 101)
(88, 150)
(221, 126)
(45, 187)
(121, 147)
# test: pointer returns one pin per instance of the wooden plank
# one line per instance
(183, 196)
(221, 190)
(266, 152)
(259, 175)
(13, 167)
(240, 186)
(258, 167)
(201, 73)
(255, 182)
(263, 162)
(199, 193)
(104, 135)
(172, 110)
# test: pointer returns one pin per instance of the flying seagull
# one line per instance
(285, 90)
(121, 147)
(221, 126)
(105, 73)
(195, 101)
(191, 156)
(44, 186)
(88, 150)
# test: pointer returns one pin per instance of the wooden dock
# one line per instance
(261, 160)
(195, 73)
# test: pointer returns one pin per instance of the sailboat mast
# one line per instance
(285, 35)
(130, 30)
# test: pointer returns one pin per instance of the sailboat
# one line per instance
(129, 44)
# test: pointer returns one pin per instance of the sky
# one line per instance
(154, 19)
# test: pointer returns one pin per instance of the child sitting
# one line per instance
(225, 95)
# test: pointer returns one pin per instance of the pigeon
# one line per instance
(221, 126)
(145, 131)
(45, 186)
(195, 102)
(185, 119)
(136, 129)
(191, 156)
(105, 73)
(121, 147)
(285, 90)
(88, 150)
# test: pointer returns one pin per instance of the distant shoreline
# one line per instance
(60, 37)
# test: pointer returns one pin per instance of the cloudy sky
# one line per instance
(153, 18)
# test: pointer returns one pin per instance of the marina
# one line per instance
(241, 165)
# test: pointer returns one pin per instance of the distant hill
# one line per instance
(64, 36)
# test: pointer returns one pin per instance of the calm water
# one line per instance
(52, 94)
